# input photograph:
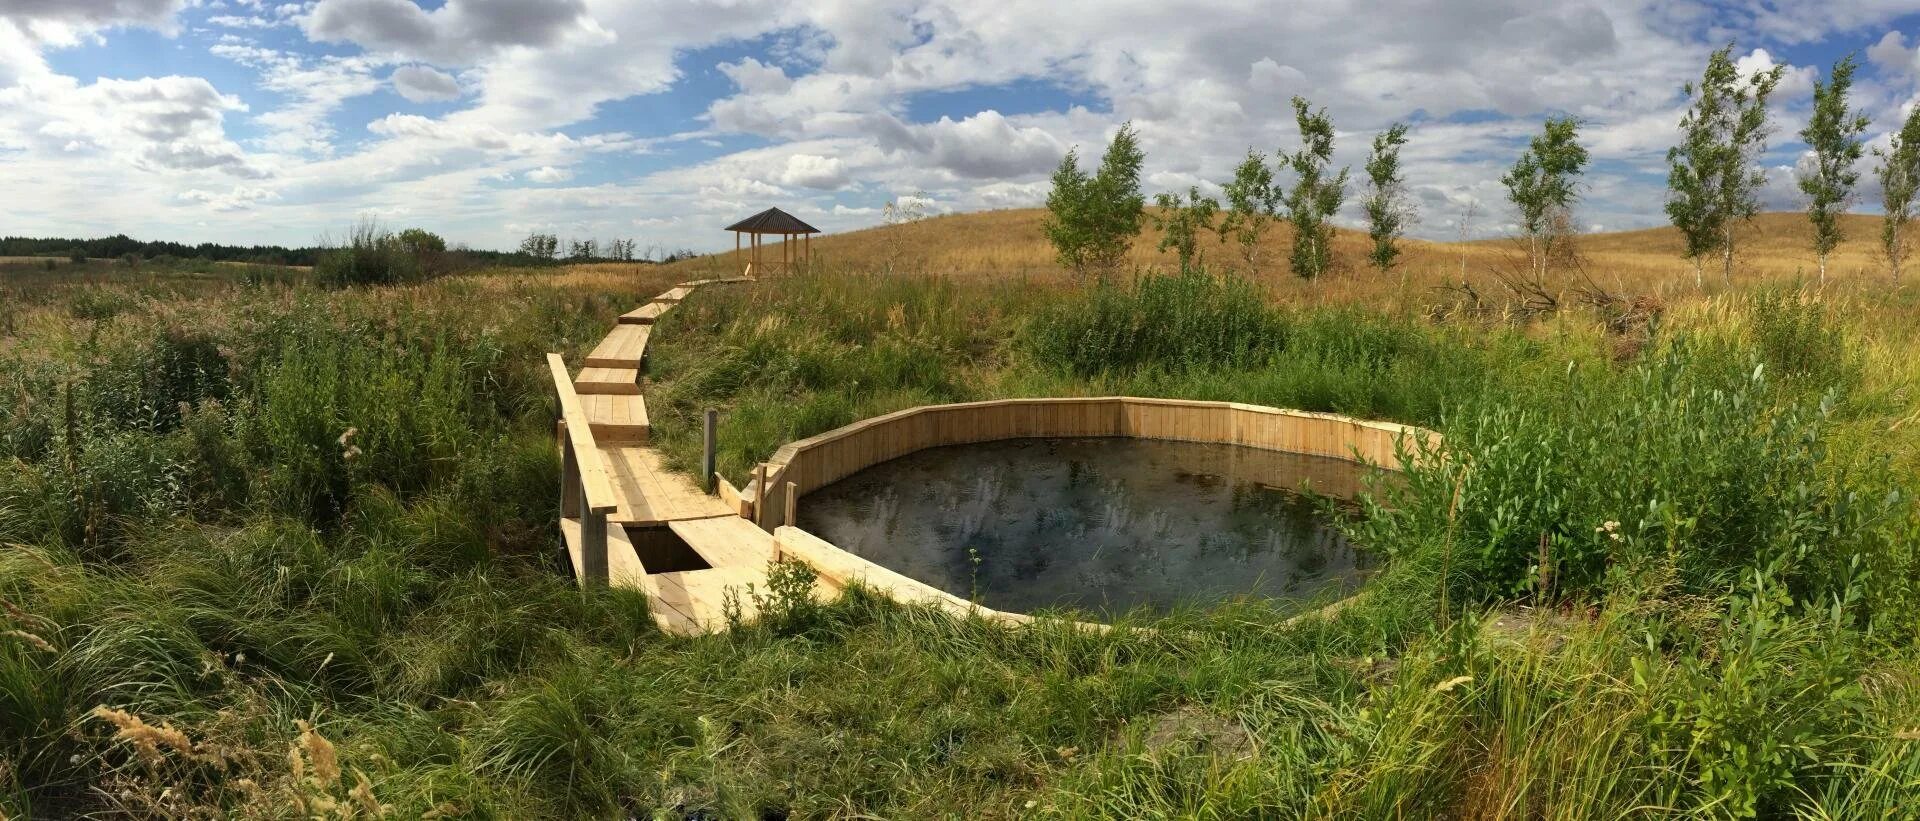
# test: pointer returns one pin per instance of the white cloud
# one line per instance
(421, 84)
(239, 198)
(458, 32)
(314, 88)
(833, 102)
(810, 171)
(91, 13)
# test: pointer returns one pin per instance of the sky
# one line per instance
(662, 121)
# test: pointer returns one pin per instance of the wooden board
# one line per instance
(726, 541)
(623, 381)
(596, 486)
(677, 293)
(650, 494)
(625, 347)
(694, 601)
(623, 563)
(645, 314)
(617, 418)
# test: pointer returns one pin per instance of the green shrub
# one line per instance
(1178, 322)
(371, 255)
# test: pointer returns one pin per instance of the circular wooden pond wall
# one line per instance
(801, 467)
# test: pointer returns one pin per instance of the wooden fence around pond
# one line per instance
(809, 464)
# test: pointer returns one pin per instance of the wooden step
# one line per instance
(624, 348)
(621, 381)
(623, 563)
(695, 601)
(679, 292)
(617, 418)
(645, 314)
(649, 495)
(726, 541)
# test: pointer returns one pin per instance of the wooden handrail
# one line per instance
(594, 483)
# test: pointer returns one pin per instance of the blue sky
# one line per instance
(285, 122)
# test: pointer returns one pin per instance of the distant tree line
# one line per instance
(530, 252)
(1714, 180)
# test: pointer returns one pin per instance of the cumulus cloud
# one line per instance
(421, 84)
(845, 99)
(156, 123)
(813, 171)
(92, 13)
(458, 32)
(987, 146)
(755, 77)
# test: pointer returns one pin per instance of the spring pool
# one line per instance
(1105, 525)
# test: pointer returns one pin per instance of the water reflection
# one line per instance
(1101, 524)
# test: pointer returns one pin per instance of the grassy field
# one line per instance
(268, 550)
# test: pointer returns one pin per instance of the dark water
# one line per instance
(1105, 525)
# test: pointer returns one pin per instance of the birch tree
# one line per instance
(1543, 185)
(1386, 204)
(1092, 219)
(1252, 201)
(1181, 223)
(1833, 136)
(1315, 196)
(1899, 182)
(1712, 173)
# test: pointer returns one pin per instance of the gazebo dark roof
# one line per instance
(773, 221)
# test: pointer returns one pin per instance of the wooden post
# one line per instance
(760, 496)
(792, 518)
(710, 447)
(736, 248)
(807, 248)
(593, 550)
(570, 490)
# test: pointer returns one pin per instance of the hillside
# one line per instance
(1010, 243)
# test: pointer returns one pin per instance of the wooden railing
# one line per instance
(586, 494)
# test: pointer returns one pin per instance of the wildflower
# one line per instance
(346, 439)
(1610, 528)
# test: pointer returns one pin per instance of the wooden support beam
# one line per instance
(793, 505)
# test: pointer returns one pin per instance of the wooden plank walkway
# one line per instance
(617, 418)
(626, 347)
(645, 494)
(651, 495)
(645, 314)
(620, 381)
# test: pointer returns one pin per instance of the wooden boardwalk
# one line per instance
(629, 522)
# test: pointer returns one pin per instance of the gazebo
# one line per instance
(768, 222)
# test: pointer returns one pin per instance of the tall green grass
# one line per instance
(186, 537)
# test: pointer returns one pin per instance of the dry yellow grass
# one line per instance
(1009, 243)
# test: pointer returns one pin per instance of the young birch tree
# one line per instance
(1712, 172)
(1181, 221)
(1543, 184)
(1314, 197)
(1065, 224)
(1833, 136)
(1252, 200)
(1899, 183)
(1092, 220)
(1386, 204)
